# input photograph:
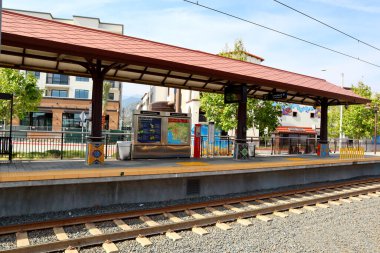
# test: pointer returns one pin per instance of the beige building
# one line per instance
(66, 97)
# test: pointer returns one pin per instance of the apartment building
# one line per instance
(66, 97)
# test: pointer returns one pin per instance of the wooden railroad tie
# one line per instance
(321, 205)
(241, 221)
(22, 239)
(122, 225)
(71, 249)
(151, 223)
(220, 225)
(356, 198)
(345, 200)
(143, 240)
(196, 230)
(310, 208)
(93, 229)
(60, 233)
(108, 246)
(249, 205)
(265, 202)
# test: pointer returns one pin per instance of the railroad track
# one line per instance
(139, 225)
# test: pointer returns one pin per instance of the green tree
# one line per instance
(106, 91)
(358, 121)
(27, 95)
(333, 122)
(261, 114)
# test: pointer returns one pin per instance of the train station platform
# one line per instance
(72, 184)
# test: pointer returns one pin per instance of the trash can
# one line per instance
(251, 149)
(123, 150)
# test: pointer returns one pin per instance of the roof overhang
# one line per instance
(49, 46)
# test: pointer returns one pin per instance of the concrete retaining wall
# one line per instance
(49, 198)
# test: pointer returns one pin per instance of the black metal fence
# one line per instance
(57, 145)
(224, 146)
(30, 145)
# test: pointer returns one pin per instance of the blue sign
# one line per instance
(149, 130)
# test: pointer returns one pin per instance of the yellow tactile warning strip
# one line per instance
(117, 172)
(296, 159)
(193, 163)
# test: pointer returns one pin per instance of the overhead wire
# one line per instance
(283, 33)
(323, 23)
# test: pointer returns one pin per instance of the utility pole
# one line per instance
(341, 119)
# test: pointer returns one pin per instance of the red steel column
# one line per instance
(197, 140)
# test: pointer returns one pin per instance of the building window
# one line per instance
(312, 115)
(202, 116)
(82, 79)
(71, 120)
(294, 114)
(81, 93)
(57, 79)
(59, 93)
(38, 121)
(36, 74)
(113, 85)
(111, 96)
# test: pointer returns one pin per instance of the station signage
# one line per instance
(235, 94)
(6, 96)
(149, 113)
(275, 95)
(177, 114)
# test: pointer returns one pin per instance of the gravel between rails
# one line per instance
(7, 242)
(108, 227)
(41, 236)
(76, 231)
(351, 227)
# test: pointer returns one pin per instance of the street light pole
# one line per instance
(376, 109)
(341, 119)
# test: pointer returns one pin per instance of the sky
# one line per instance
(182, 24)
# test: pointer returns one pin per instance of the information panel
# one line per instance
(149, 130)
(178, 131)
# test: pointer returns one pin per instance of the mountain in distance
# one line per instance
(129, 104)
(129, 100)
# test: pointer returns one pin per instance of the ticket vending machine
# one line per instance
(197, 140)
(161, 135)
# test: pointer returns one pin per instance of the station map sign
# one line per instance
(149, 130)
(178, 131)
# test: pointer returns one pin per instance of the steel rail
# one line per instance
(183, 225)
(137, 213)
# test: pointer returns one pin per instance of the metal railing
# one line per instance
(30, 145)
(58, 145)
(224, 146)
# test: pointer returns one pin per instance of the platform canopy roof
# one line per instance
(44, 45)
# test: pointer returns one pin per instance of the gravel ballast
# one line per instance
(351, 227)
(7, 242)
(41, 236)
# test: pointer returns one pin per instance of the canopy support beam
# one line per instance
(97, 98)
(241, 134)
(324, 120)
